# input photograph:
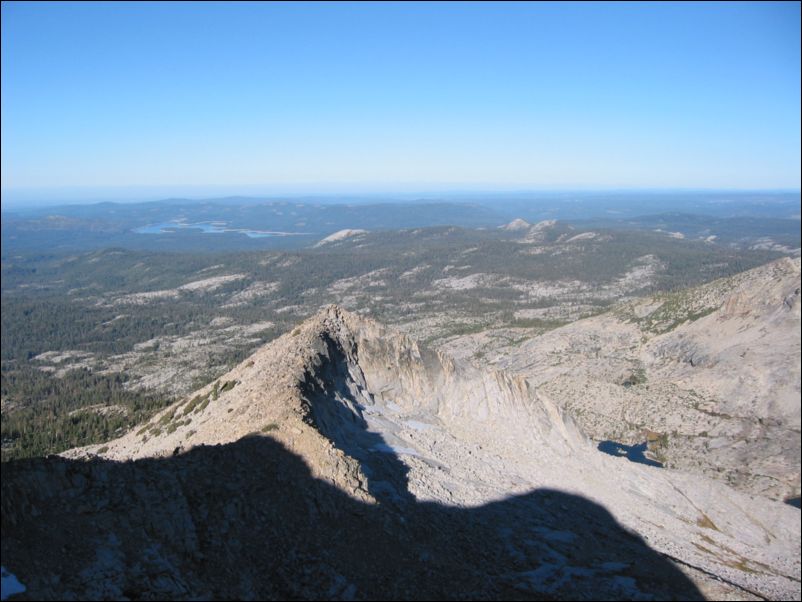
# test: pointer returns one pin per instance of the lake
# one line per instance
(209, 228)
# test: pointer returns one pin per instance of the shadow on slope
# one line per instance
(337, 400)
(247, 520)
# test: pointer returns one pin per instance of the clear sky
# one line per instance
(275, 97)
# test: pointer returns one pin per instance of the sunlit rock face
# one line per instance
(344, 460)
(714, 370)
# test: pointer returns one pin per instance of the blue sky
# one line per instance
(317, 97)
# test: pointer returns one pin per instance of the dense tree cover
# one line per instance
(33, 326)
(50, 414)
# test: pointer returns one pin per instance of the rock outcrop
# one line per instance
(340, 235)
(715, 370)
(345, 461)
(515, 225)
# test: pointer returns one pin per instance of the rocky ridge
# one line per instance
(344, 460)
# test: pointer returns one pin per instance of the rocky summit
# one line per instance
(346, 461)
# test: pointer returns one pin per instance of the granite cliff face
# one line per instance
(344, 460)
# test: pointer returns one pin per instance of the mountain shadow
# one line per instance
(248, 521)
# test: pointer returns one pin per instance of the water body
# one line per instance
(633, 453)
(10, 585)
(209, 228)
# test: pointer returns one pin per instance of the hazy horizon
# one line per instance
(396, 98)
(34, 199)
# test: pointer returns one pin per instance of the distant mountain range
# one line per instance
(724, 218)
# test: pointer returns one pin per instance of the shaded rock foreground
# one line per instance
(247, 520)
